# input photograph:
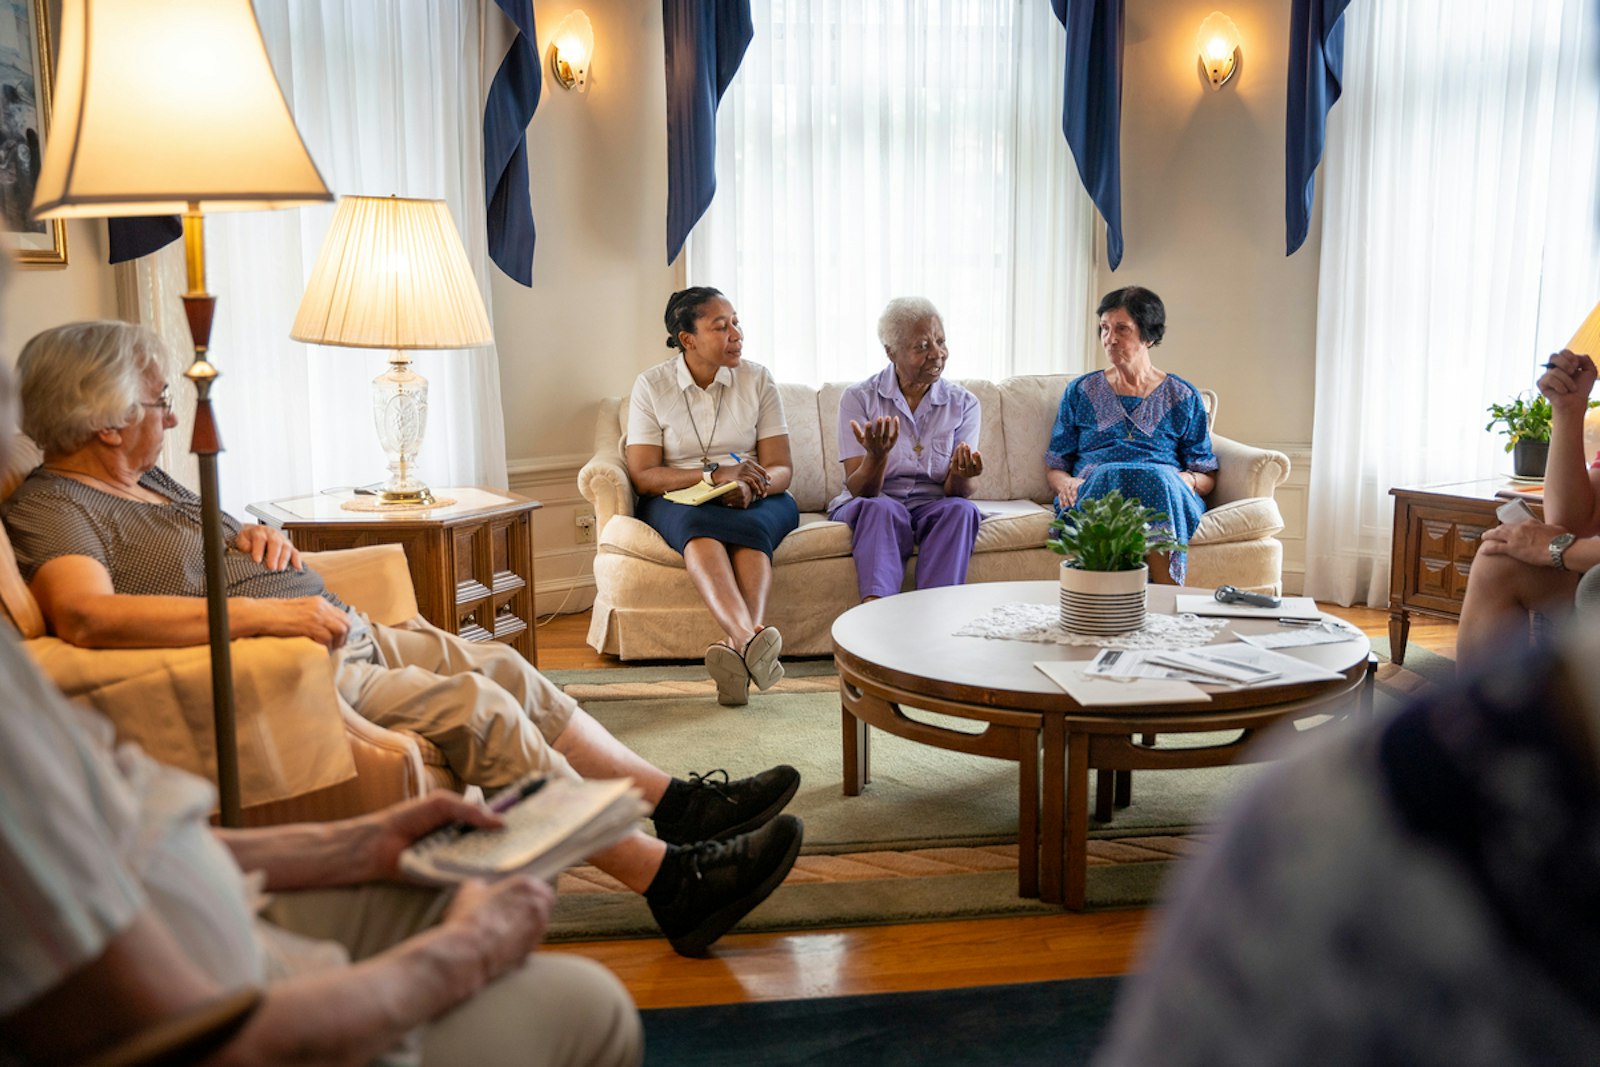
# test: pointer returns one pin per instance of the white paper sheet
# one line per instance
(1091, 691)
(1292, 607)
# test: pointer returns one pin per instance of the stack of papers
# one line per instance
(1291, 607)
(1233, 665)
(1091, 690)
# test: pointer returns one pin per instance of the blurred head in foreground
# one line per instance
(1425, 890)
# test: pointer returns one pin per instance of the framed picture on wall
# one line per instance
(24, 118)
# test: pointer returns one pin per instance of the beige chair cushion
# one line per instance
(1239, 520)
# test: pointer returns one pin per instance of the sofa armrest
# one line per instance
(374, 579)
(292, 739)
(605, 484)
(1245, 471)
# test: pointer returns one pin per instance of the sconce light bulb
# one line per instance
(573, 52)
(1218, 42)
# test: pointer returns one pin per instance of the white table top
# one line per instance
(914, 633)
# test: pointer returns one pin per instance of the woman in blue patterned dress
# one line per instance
(1134, 428)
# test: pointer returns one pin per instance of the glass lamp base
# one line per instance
(419, 496)
(400, 413)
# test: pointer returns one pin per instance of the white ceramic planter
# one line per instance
(1102, 602)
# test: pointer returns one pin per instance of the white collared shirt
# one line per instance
(670, 411)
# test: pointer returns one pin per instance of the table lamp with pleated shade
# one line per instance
(393, 274)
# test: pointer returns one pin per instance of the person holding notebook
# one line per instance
(709, 416)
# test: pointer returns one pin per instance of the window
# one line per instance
(870, 149)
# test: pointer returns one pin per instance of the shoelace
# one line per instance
(704, 781)
(706, 852)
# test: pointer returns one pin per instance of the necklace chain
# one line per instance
(705, 454)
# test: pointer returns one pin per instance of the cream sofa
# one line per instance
(646, 608)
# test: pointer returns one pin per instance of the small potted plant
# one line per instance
(1105, 541)
(1526, 425)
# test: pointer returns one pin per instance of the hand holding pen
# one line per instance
(499, 804)
(753, 475)
(1568, 380)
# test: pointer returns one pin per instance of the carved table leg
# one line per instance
(1399, 631)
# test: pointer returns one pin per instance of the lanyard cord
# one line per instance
(705, 456)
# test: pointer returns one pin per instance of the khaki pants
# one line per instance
(490, 712)
(555, 1009)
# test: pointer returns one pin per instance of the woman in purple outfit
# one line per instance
(906, 439)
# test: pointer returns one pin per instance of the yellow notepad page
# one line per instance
(699, 493)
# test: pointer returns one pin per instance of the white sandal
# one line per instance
(727, 669)
(760, 657)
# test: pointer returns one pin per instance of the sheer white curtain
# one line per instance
(1459, 248)
(878, 148)
(388, 96)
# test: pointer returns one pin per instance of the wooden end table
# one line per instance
(901, 651)
(1437, 529)
(471, 561)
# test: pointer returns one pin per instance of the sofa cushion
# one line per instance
(1239, 520)
(1029, 404)
(1008, 525)
(1018, 528)
(810, 484)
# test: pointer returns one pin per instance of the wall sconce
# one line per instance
(571, 50)
(1218, 42)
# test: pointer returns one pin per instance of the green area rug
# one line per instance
(934, 834)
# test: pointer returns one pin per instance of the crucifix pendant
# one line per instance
(917, 448)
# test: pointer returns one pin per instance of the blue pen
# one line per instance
(736, 457)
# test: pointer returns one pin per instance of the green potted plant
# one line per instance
(1526, 423)
(1105, 541)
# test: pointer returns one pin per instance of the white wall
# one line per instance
(1203, 225)
(36, 298)
(592, 320)
(1203, 216)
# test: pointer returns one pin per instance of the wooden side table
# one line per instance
(471, 561)
(1436, 533)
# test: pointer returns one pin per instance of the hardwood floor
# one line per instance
(881, 959)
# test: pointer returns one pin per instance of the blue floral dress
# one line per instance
(1137, 445)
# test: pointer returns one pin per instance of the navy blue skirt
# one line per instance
(760, 527)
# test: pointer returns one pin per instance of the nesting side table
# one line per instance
(471, 561)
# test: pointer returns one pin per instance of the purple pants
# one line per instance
(883, 531)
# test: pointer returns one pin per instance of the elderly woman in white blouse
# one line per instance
(707, 415)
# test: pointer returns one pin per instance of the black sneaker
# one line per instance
(720, 882)
(719, 808)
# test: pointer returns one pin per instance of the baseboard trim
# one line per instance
(565, 596)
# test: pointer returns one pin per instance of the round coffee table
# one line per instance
(901, 651)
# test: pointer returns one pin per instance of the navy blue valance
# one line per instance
(508, 108)
(1316, 63)
(705, 42)
(1091, 106)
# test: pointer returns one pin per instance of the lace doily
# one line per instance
(1041, 623)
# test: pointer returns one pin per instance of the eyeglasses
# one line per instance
(164, 402)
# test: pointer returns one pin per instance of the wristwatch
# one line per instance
(707, 471)
(1558, 550)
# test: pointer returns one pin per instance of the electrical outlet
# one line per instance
(583, 522)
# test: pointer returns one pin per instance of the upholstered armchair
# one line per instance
(304, 753)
